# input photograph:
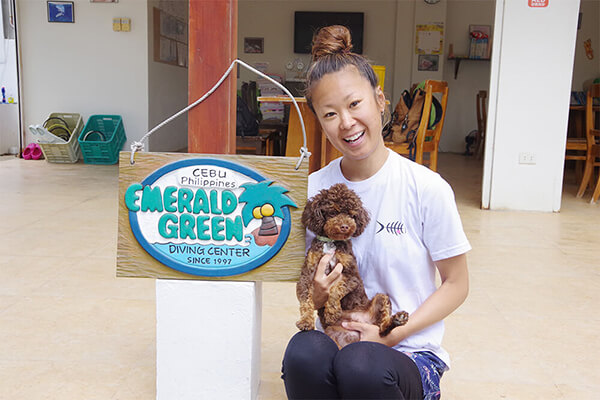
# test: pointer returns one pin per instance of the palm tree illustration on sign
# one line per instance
(264, 202)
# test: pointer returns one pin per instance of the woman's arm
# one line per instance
(447, 298)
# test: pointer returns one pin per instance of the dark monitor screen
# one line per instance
(307, 23)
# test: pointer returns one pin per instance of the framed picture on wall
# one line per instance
(61, 11)
(428, 62)
(254, 45)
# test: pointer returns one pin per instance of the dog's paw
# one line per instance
(305, 325)
(400, 318)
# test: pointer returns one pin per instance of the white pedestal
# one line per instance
(207, 339)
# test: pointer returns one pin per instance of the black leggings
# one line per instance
(314, 368)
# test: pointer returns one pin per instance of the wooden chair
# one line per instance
(481, 123)
(427, 140)
(587, 148)
(592, 128)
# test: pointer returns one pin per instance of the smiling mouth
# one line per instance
(355, 137)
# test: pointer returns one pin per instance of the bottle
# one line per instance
(3, 94)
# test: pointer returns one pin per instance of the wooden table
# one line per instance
(322, 150)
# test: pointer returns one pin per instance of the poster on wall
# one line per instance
(61, 11)
(196, 216)
(429, 38)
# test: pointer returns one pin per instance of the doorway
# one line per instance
(10, 138)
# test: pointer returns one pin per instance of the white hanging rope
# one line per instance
(304, 153)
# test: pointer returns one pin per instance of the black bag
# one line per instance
(245, 122)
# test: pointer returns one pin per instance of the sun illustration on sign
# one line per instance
(264, 202)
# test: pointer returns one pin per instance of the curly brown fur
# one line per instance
(337, 213)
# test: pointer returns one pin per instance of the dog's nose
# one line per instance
(344, 228)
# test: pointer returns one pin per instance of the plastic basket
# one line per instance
(102, 148)
(65, 152)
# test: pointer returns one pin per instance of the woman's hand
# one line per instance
(370, 333)
(322, 282)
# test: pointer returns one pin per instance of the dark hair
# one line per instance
(331, 52)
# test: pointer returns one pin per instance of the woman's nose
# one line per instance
(346, 121)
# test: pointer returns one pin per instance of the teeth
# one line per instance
(354, 137)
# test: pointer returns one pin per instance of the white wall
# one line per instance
(389, 40)
(404, 49)
(274, 20)
(529, 104)
(472, 77)
(85, 67)
(429, 14)
(167, 92)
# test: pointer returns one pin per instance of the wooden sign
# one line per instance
(198, 216)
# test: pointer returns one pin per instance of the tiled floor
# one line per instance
(70, 330)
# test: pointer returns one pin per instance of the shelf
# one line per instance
(457, 61)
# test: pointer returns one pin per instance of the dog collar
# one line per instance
(328, 240)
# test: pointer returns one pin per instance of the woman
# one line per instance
(343, 92)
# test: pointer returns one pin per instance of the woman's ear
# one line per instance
(380, 97)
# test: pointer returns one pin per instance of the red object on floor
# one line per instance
(32, 152)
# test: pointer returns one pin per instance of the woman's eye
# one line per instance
(329, 114)
(354, 103)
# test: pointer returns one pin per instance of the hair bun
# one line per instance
(334, 39)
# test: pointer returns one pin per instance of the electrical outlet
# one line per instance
(117, 24)
(527, 158)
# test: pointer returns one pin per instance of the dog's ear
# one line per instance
(362, 220)
(306, 213)
(312, 217)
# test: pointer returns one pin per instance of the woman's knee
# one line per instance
(307, 366)
(358, 364)
(366, 370)
(308, 352)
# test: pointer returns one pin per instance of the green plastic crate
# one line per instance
(102, 138)
(65, 152)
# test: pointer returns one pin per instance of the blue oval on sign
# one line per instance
(209, 217)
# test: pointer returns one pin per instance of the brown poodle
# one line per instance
(335, 215)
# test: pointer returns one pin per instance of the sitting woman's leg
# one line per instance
(308, 366)
(367, 370)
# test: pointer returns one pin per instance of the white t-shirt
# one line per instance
(414, 222)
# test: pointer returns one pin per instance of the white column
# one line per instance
(207, 339)
(530, 84)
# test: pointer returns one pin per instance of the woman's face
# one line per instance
(349, 111)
